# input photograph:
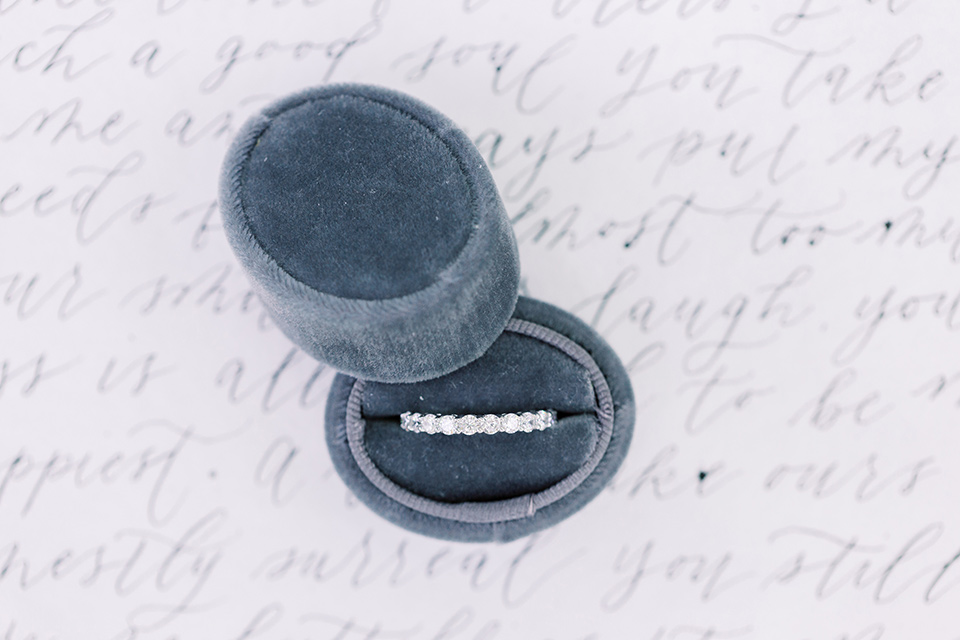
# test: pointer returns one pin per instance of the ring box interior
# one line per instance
(374, 233)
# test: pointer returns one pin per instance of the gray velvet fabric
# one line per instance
(372, 231)
(379, 198)
(462, 468)
(507, 508)
(471, 471)
(517, 373)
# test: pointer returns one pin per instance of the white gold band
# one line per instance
(467, 425)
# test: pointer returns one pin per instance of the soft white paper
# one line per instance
(754, 202)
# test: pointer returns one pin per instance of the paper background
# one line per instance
(754, 202)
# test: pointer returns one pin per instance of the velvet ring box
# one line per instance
(373, 232)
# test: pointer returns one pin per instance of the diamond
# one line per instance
(469, 425)
(526, 422)
(447, 425)
(544, 418)
(428, 423)
(491, 423)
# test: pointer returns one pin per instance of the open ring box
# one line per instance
(370, 227)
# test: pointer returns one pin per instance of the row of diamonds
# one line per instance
(470, 424)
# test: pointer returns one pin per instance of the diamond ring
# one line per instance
(470, 424)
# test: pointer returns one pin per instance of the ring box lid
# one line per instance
(372, 230)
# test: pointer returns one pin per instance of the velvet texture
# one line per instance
(372, 231)
(518, 373)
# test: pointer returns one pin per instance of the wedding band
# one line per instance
(469, 424)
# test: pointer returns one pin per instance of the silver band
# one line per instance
(469, 424)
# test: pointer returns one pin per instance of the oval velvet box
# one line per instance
(372, 231)
(490, 487)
